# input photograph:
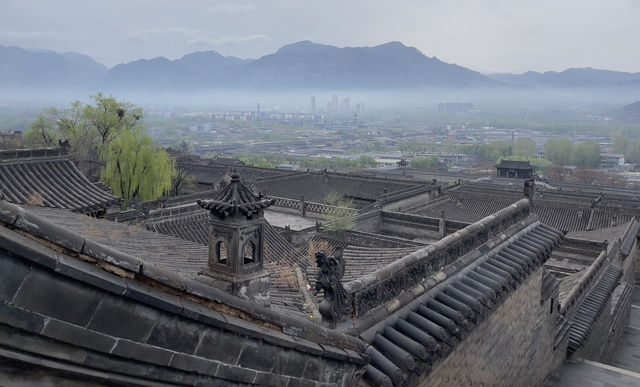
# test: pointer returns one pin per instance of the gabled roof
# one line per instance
(51, 182)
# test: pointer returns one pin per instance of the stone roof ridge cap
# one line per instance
(34, 159)
(630, 235)
(591, 274)
(40, 227)
(411, 258)
(283, 176)
(411, 183)
(27, 153)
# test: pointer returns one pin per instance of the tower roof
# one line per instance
(236, 199)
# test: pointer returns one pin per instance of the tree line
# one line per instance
(272, 160)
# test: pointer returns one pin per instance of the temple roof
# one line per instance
(51, 182)
(235, 199)
(513, 164)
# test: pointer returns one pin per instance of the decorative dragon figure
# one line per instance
(334, 306)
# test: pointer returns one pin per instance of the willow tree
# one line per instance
(135, 168)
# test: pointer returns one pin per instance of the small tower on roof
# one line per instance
(236, 240)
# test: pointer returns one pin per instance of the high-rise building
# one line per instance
(346, 104)
(313, 105)
(334, 102)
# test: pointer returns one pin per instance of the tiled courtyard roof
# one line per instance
(315, 186)
(563, 211)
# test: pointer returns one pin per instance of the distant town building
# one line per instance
(517, 169)
(454, 107)
(611, 160)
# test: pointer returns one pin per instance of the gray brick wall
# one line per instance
(513, 347)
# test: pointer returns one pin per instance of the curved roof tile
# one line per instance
(52, 182)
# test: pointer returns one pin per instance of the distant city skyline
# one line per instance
(487, 36)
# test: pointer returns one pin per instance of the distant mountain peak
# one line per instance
(302, 46)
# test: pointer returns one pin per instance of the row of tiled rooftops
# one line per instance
(313, 186)
(411, 304)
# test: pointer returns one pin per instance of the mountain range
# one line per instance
(571, 78)
(299, 65)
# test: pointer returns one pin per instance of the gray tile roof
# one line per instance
(563, 212)
(315, 186)
(51, 182)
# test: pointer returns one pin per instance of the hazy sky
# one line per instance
(488, 36)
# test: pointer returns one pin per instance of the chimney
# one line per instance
(236, 231)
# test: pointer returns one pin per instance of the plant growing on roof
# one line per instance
(338, 216)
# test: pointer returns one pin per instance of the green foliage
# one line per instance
(43, 130)
(270, 160)
(562, 151)
(425, 162)
(258, 161)
(629, 147)
(108, 116)
(108, 132)
(472, 149)
(417, 146)
(492, 151)
(449, 145)
(559, 151)
(524, 146)
(374, 146)
(88, 127)
(337, 220)
(180, 181)
(497, 149)
(587, 154)
(135, 168)
(367, 162)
